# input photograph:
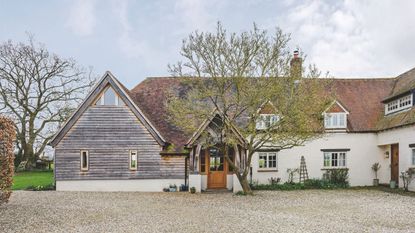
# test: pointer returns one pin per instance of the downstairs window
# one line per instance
(84, 160)
(334, 159)
(267, 160)
(413, 157)
(133, 160)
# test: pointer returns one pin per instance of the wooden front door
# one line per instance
(217, 169)
(395, 163)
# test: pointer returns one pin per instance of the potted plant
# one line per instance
(192, 190)
(173, 188)
(184, 188)
(376, 168)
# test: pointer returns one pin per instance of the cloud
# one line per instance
(355, 38)
(197, 14)
(82, 19)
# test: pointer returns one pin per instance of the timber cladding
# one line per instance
(108, 133)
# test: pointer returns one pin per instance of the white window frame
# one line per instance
(101, 100)
(130, 157)
(267, 156)
(330, 157)
(82, 160)
(332, 120)
(262, 120)
(400, 104)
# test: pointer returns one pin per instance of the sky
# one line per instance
(138, 39)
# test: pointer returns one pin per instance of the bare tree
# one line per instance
(38, 90)
(237, 75)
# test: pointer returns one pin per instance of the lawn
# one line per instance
(23, 180)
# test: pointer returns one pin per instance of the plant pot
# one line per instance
(172, 189)
(375, 182)
(193, 190)
(392, 184)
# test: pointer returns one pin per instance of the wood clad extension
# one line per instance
(108, 133)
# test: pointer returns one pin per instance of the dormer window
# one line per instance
(336, 120)
(266, 120)
(335, 116)
(399, 104)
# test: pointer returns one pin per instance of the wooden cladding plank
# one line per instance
(108, 133)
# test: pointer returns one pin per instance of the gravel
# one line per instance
(273, 211)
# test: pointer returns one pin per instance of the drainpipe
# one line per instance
(185, 171)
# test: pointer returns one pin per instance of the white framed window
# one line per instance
(267, 160)
(133, 160)
(336, 120)
(399, 104)
(334, 160)
(266, 120)
(109, 97)
(84, 160)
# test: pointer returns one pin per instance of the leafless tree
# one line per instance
(38, 90)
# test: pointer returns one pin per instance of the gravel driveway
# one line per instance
(290, 211)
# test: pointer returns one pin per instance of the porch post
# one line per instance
(195, 179)
(197, 160)
(236, 156)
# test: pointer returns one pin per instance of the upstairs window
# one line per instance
(399, 104)
(335, 120)
(109, 97)
(266, 120)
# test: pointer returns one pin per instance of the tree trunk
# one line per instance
(29, 155)
(246, 188)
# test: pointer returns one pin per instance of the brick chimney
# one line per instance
(296, 65)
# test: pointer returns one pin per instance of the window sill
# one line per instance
(334, 168)
(267, 170)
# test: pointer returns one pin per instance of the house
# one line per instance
(121, 140)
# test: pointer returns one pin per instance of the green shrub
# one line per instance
(240, 193)
(41, 187)
(308, 184)
(338, 177)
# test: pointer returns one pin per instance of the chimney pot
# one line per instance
(296, 53)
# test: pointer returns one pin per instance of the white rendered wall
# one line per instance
(229, 181)
(195, 180)
(363, 153)
(204, 182)
(141, 185)
(403, 136)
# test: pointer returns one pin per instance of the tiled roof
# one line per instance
(151, 96)
(404, 83)
(361, 97)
